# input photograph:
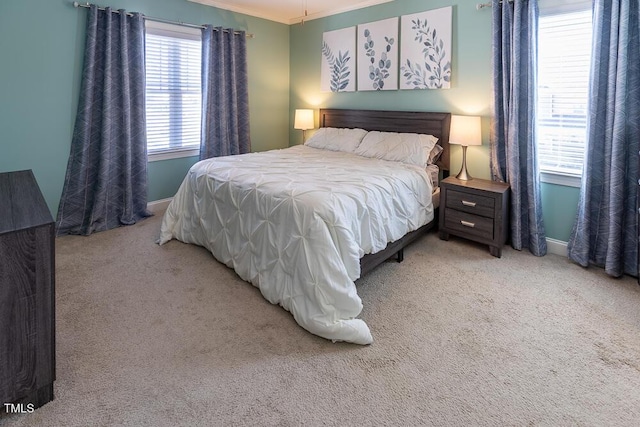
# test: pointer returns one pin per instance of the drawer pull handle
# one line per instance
(470, 204)
(468, 224)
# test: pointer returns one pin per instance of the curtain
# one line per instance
(513, 139)
(606, 229)
(106, 179)
(225, 93)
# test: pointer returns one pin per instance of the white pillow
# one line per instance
(411, 148)
(336, 139)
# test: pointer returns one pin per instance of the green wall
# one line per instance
(41, 49)
(41, 45)
(559, 207)
(470, 92)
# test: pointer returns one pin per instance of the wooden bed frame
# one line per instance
(436, 124)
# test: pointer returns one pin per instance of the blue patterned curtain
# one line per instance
(606, 229)
(106, 180)
(513, 139)
(225, 93)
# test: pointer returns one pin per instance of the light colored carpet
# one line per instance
(152, 335)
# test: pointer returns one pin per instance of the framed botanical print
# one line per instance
(426, 50)
(378, 55)
(338, 73)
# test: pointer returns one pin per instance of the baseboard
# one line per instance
(159, 205)
(557, 247)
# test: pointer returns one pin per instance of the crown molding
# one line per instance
(284, 20)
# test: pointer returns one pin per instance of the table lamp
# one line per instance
(303, 120)
(465, 131)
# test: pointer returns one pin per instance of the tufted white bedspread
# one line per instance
(295, 223)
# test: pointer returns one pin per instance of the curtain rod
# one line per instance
(164, 21)
(483, 5)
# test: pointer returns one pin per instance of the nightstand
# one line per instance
(477, 210)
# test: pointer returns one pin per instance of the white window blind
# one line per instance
(173, 87)
(564, 53)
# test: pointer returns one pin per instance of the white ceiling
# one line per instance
(290, 11)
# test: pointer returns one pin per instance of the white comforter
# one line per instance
(295, 223)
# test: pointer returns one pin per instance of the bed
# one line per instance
(303, 223)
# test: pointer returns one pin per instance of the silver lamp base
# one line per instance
(463, 175)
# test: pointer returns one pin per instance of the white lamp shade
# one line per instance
(303, 119)
(465, 130)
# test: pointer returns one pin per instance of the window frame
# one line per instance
(175, 31)
(550, 8)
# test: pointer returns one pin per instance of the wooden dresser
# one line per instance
(27, 295)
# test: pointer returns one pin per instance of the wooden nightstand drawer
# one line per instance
(476, 209)
(469, 224)
(473, 203)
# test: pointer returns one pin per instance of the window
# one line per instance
(173, 90)
(564, 52)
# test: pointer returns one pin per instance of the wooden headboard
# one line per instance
(436, 124)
